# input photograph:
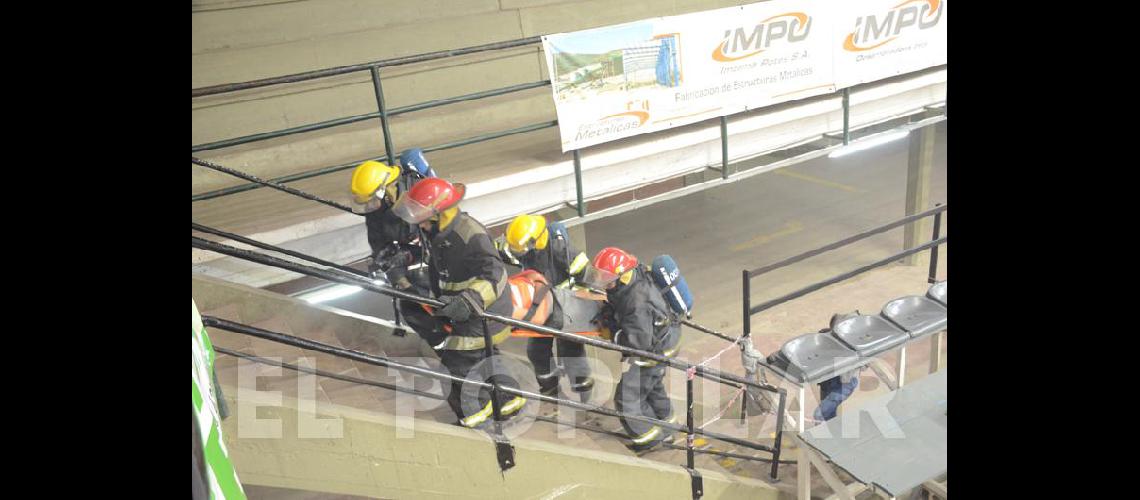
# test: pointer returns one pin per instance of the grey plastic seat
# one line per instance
(869, 335)
(814, 357)
(918, 315)
(938, 292)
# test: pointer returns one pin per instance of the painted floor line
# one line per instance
(817, 180)
(791, 227)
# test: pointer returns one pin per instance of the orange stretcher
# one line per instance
(579, 307)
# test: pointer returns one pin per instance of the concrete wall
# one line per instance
(382, 456)
(242, 40)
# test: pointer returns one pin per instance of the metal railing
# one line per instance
(932, 245)
(504, 451)
(748, 275)
(383, 113)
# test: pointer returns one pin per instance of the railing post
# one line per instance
(779, 432)
(389, 149)
(746, 280)
(846, 116)
(724, 147)
(697, 482)
(689, 420)
(578, 182)
(934, 251)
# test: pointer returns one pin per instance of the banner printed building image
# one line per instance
(654, 61)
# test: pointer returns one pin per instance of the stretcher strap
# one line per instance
(536, 300)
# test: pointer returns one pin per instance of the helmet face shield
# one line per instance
(412, 211)
(363, 204)
(520, 250)
(599, 278)
(428, 198)
(609, 264)
(373, 204)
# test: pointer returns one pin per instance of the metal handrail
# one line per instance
(367, 284)
(303, 343)
(343, 70)
(348, 120)
(846, 241)
(266, 246)
(845, 276)
(337, 168)
(932, 245)
(747, 275)
(503, 449)
(273, 183)
(384, 114)
(416, 392)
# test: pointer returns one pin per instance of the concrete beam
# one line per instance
(920, 165)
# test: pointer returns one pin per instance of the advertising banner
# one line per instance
(878, 39)
(640, 77)
(659, 73)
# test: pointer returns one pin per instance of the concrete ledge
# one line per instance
(383, 456)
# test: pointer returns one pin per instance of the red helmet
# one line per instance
(608, 265)
(427, 198)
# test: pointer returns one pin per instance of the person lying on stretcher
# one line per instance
(533, 299)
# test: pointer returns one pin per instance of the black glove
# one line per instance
(402, 258)
(606, 318)
(385, 254)
(397, 270)
(455, 307)
(390, 258)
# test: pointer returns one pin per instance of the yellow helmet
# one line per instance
(527, 231)
(369, 183)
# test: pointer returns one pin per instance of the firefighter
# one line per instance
(529, 242)
(467, 275)
(374, 188)
(643, 321)
(396, 245)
